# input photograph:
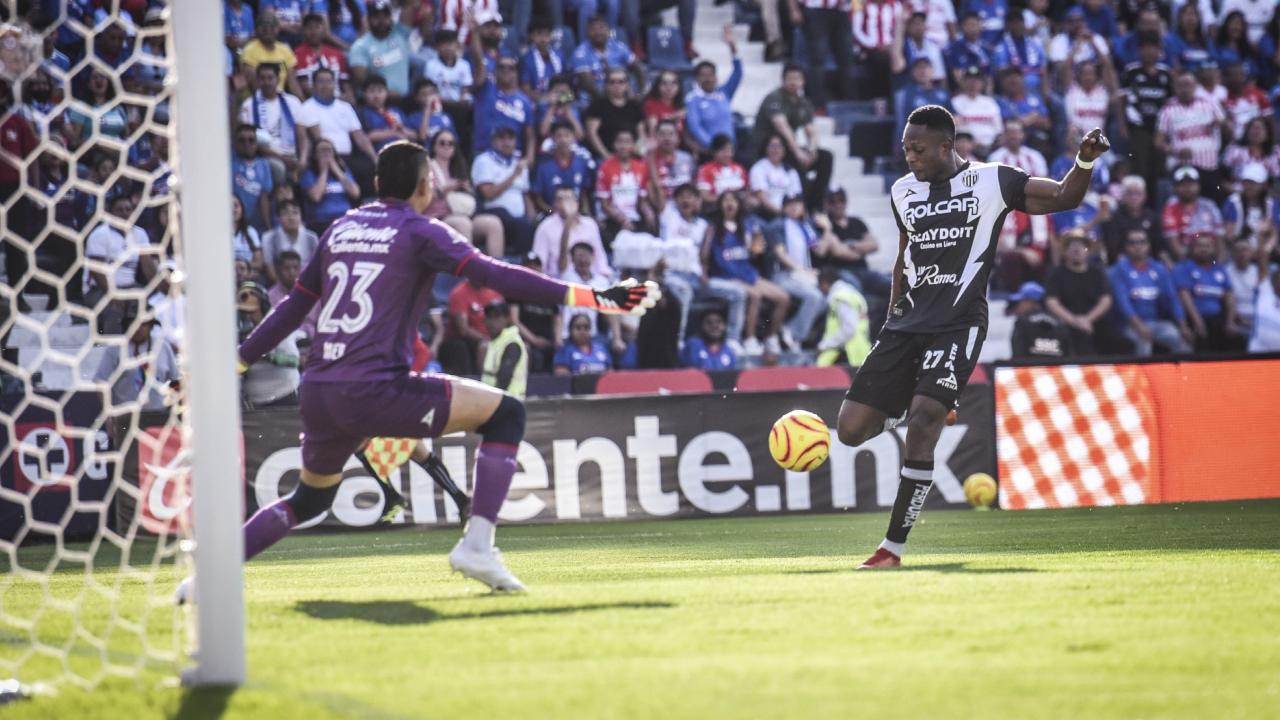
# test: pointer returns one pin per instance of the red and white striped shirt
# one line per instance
(1087, 109)
(454, 15)
(874, 22)
(1194, 127)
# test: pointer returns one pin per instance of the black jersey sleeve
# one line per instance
(1013, 187)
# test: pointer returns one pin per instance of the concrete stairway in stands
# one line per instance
(50, 344)
(867, 198)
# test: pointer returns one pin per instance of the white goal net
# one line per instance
(95, 418)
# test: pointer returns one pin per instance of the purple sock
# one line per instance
(495, 464)
(269, 525)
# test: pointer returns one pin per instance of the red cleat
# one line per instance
(881, 559)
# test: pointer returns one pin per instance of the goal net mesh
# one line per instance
(94, 492)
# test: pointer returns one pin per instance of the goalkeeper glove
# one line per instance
(626, 298)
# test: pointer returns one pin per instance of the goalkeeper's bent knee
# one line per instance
(307, 502)
(506, 425)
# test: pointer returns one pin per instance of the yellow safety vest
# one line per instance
(493, 360)
(859, 346)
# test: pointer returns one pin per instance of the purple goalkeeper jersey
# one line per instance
(373, 273)
(372, 276)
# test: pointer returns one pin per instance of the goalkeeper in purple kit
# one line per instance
(372, 276)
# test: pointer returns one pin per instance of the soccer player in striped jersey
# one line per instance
(372, 276)
(949, 215)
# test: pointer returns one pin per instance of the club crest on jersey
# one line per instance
(969, 179)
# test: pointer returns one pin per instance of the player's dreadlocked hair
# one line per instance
(400, 166)
(934, 117)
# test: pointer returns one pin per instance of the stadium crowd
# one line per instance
(585, 140)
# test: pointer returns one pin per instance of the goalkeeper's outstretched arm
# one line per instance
(519, 283)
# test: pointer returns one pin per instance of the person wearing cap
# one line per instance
(1246, 213)
(275, 377)
(976, 113)
(139, 367)
(1036, 332)
(1187, 215)
(501, 178)
(266, 48)
(968, 50)
(506, 361)
(794, 238)
(1131, 213)
(1205, 292)
(1146, 301)
(1189, 131)
(384, 50)
(1078, 294)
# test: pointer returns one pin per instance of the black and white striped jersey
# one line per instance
(951, 227)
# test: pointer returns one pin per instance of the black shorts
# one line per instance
(902, 365)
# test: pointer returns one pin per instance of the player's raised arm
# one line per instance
(1045, 196)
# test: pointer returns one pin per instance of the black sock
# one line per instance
(917, 478)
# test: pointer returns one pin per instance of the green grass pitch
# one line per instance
(1146, 612)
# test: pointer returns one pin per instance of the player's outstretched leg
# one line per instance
(924, 424)
(499, 419)
(313, 496)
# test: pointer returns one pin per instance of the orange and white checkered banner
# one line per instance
(1185, 431)
(386, 455)
(1073, 436)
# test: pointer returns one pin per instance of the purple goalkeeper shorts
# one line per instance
(338, 417)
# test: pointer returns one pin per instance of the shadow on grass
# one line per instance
(406, 612)
(205, 703)
(935, 567)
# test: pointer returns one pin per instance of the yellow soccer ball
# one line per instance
(799, 441)
(980, 490)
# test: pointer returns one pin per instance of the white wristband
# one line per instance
(1084, 165)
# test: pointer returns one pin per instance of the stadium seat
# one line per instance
(653, 382)
(765, 379)
(666, 49)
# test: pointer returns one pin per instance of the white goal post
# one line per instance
(212, 388)
(120, 443)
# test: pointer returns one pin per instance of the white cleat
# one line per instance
(185, 592)
(485, 567)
